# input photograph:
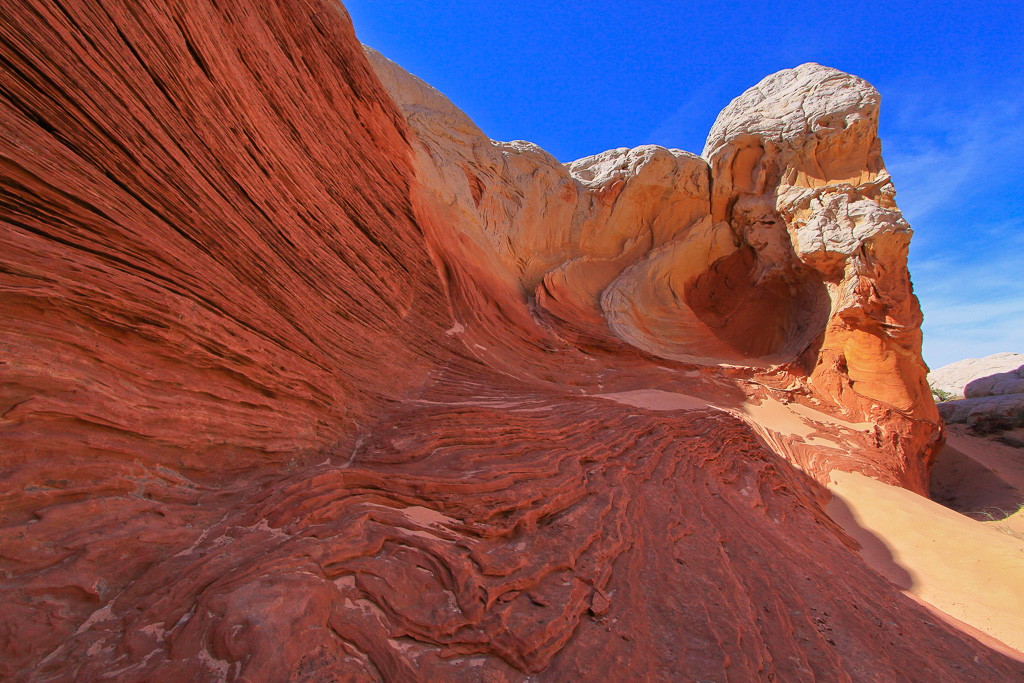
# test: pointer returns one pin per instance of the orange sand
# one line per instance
(962, 567)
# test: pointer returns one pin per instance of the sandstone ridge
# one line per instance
(305, 378)
(792, 273)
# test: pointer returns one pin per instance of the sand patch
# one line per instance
(958, 565)
(656, 399)
(981, 478)
(813, 427)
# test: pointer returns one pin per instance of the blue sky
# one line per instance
(578, 78)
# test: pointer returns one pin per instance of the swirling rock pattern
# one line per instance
(780, 253)
(304, 378)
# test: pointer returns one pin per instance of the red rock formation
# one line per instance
(270, 410)
(792, 270)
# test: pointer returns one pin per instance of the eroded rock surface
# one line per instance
(953, 379)
(792, 271)
(994, 390)
(305, 378)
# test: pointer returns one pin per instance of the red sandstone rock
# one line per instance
(792, 270)
(271, 411)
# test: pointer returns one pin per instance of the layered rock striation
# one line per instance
(780, 253)
(305, 378)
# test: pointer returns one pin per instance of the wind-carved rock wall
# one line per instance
(798, 171)
(780, 251)
(305, 378)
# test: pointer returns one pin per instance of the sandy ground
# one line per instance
(982, 478)
(967, 569)
(960, 555)
(656, 399)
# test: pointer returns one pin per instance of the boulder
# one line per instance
(953, 379)
(986, 413)
(999, 384)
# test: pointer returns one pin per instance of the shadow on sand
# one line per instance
(875, 552)
(963, 484)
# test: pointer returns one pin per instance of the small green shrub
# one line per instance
(1002, 527)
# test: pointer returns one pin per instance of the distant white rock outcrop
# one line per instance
(992, 389)
(954, 378)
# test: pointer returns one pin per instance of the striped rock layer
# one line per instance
(302, 377)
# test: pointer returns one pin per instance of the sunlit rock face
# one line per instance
(780, 253)
(798, 172)
(302, 377)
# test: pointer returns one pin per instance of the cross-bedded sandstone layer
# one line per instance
(778, 258)
(304, 378)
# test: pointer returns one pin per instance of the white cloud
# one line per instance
(971, 309)
(956, 162)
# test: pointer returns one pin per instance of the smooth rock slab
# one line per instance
(954, 378)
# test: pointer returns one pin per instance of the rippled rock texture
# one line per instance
(304, 378)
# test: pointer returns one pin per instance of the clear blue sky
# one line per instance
(578, 78)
